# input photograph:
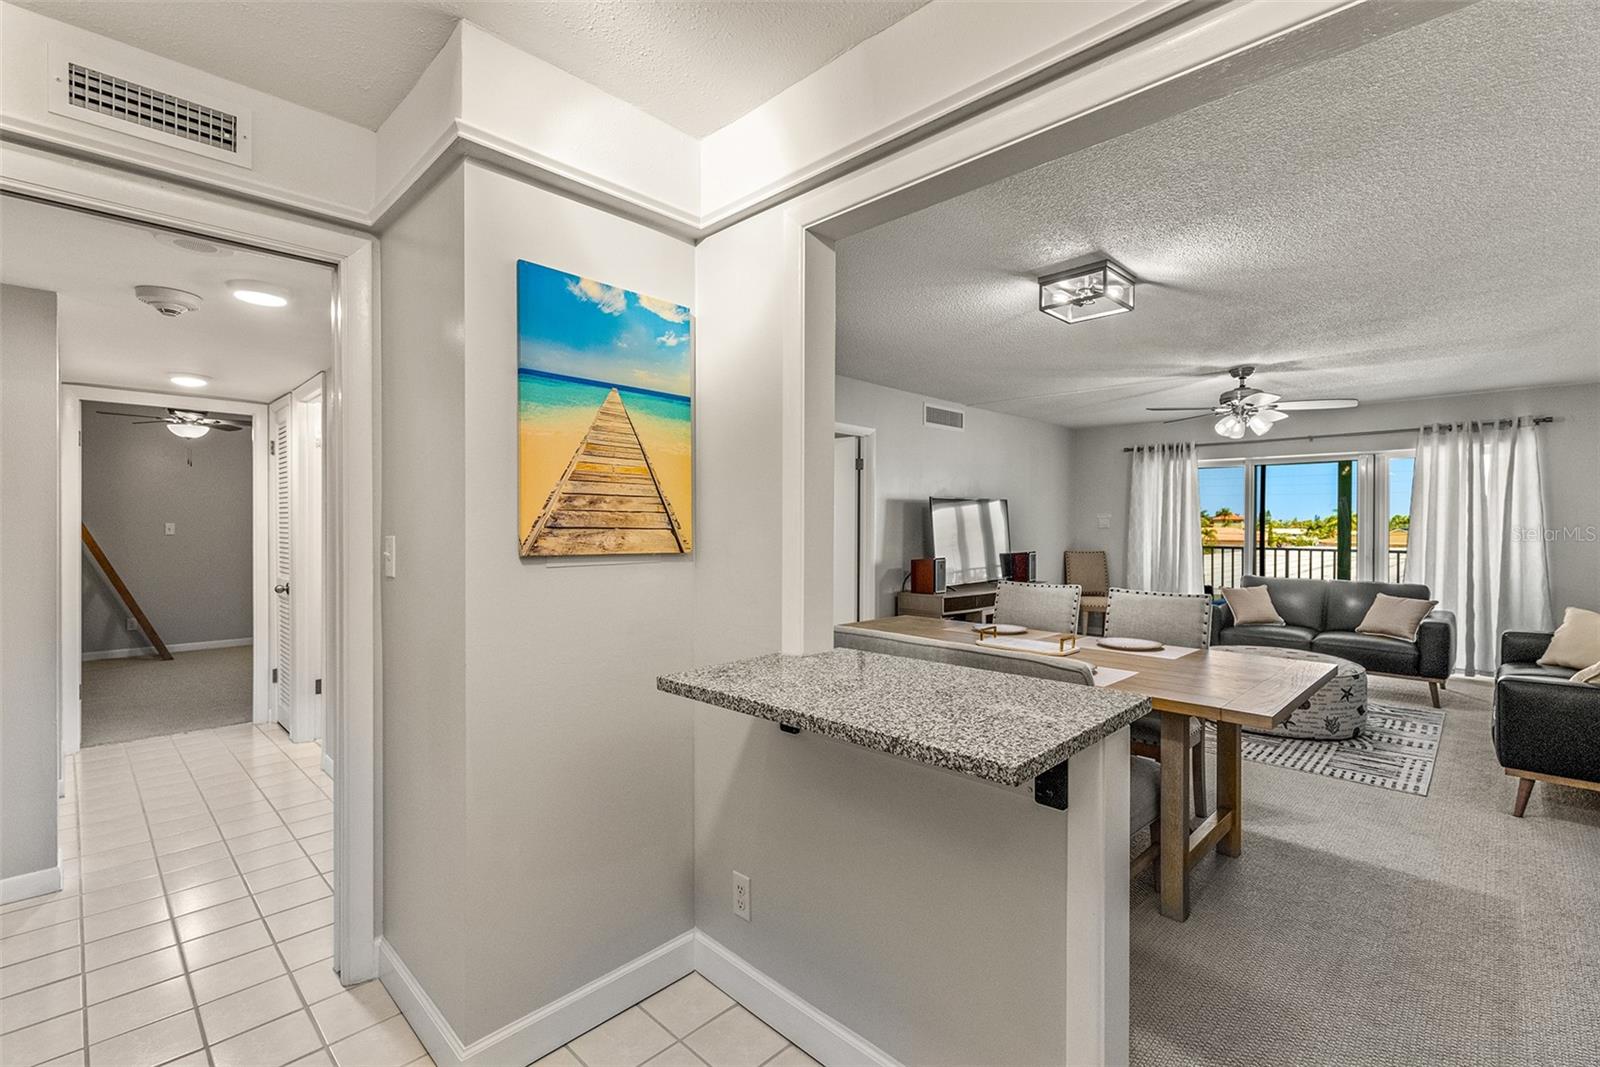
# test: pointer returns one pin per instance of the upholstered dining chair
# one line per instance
(1038, 606)
(1087, 569)
(1180, 619)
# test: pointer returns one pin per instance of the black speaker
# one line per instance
(927, 575)
(1020, 566)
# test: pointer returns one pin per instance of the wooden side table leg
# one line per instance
(1230, 785)
(1175, 809)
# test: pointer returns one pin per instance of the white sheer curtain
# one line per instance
(1477, 532)
(1164, 520)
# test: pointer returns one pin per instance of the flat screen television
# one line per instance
(971, 535)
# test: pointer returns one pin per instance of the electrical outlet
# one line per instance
(133, 623)
(172, 528)
(741, 895)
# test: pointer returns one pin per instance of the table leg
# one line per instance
(1230, 790)
(1175, 808)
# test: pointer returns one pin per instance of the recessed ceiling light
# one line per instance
(189, 381)
(195, 245)
(259, 293)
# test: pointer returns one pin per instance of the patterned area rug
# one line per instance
(1394, 750)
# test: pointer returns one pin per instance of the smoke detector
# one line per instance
(169, 302)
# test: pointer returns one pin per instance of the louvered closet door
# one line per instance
(280, 550)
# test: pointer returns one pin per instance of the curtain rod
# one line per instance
(1537, 420)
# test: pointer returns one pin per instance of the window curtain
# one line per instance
(1164, 554)
(1477, 532)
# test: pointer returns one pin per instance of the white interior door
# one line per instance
(846, 529)
(308, 600)
(280, 541)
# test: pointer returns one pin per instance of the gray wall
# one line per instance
(1572, 456)
(995, 456)
(30, 540)
(195, 584)
(539, 828)
(425, 854)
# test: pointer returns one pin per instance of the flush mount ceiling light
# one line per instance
(167, 301)
(189, 381)
(260, 294)
(1091, 291)
(187, 430)
(1247, 408)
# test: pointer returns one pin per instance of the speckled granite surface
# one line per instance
(1000, 727)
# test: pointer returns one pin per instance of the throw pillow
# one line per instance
(1395, 616)
(1576, 643)
(1588, 674)
(1252, 606)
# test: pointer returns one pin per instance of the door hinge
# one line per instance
(274, 676)
(319, 687)
(80, 438)
(272, 448)
(861, 464)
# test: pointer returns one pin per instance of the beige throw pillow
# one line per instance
(1395, 616)
(1252, 606)
(1588, 674)
(1576, 643)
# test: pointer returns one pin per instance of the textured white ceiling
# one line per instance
(107, 337)
(1415, 217)
(697, 66)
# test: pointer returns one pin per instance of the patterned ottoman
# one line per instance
(1334, 712)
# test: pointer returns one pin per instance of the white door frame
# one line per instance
(351, 414)
(72, 399)
(866, 515)
(275, 712)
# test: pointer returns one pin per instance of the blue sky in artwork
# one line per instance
(583, 328)
(1298, 490)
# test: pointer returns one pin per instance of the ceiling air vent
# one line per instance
(81, 91)
(944, 418)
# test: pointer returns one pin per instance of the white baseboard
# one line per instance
(327, 761)
(545, 1029)
(548, 1028)
(145, 651)
(822, 1036)
(32, 884)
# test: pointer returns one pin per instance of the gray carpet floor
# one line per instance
(126, 699)
(1364, 926)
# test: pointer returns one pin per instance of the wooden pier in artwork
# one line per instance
(608, 500)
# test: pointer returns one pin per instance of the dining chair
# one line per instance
(1179, 619)
(1087, 569)
(1038, 606)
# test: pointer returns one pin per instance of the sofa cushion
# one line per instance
(1299, 600)
(1576, 642)
(1349, 602)
(1274, 636)
(1394, 616)
(1387, 654)
(1533, 670)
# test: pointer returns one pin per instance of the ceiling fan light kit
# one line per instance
(189, 431)
(1091, 291)
(1247, 408)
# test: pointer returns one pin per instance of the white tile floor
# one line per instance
(194, 929)
(195, 922)
(691, 1023)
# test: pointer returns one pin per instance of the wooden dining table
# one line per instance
(1230, 687)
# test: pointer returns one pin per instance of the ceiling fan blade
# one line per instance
(1262, 399)
(1182, 409)
(229, 426)
(1317, 405)
(148, 422)
(126, 414)
(1188, 418)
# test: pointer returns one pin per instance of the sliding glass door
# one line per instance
(1300, 517)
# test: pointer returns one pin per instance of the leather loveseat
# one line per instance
(1546, 726)
(1322, 616)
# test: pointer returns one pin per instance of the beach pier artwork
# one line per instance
(604, 419)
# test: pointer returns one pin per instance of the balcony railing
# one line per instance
(1224, 564)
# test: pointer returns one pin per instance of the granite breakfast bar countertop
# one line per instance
(991, 725)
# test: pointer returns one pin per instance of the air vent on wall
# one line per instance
(83, 90)
(944, 418)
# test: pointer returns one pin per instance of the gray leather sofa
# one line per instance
(1322, 616)
(1546, 726)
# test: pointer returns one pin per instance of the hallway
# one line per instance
(195, 922)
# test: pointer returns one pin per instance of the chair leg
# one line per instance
(1202, 807)
(1524, 791)
(1433, 691)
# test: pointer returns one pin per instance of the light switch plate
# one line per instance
(172, 528)
(1103, 521)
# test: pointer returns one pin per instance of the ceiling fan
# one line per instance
(1247, 408)
(181, 423)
